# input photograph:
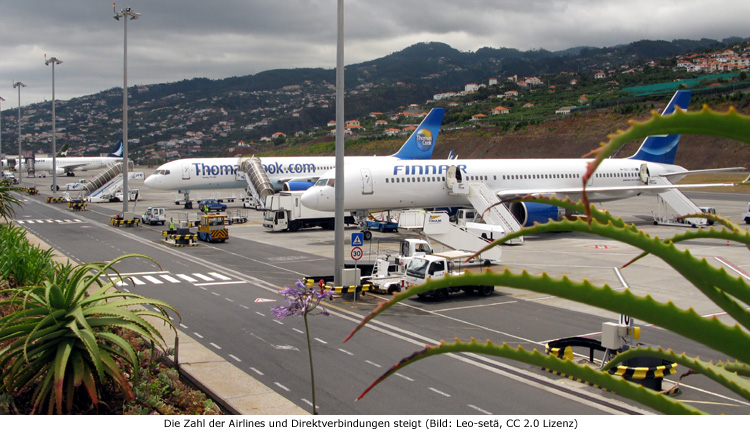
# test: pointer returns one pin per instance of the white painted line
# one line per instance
(321, 341)
(281, 386)
(346, 352)
(203, 277)
(476, 408)
(260, 373)
(197, 335)
(404, 377)
(235, 358)
(215, 345)
(152, 279)
(219, 276)
(221, 283)
(183, 326)
(373, 363)
(434, 390)
(186, 277)
(298, 330)
(169, 278)
(136, 281)
(228, 300)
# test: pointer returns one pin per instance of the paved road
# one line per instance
(224, 292)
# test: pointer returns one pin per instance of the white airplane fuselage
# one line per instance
(72, 164)
(423, 184)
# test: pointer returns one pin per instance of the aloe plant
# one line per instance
(63, 336)
(729, 293)
(8, 202)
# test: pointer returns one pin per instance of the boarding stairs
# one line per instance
(485, 202)
(678, 202)
(437, 226)
(259, 186)
(105, 185)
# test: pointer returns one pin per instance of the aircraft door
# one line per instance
(644, 174)
(366, 181)
(451, 176)
(185, 171)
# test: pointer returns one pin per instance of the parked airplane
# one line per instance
(68, 165)
(7, 163)
(298, 172)
(444, 183)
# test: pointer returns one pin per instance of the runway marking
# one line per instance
(203, 277)
(435, 390)
(733, 267)
(152, 279)
(186, 277)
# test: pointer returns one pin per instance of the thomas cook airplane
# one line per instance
(445, 183)
(298, 173)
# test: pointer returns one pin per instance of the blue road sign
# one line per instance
(358, 239)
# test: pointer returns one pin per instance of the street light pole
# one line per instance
(19, 85)
(54, 61)
(1, 126)
(125, 13)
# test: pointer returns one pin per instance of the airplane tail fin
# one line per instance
(118, 150)
(421, 143)
(63, 151)
(662, 149)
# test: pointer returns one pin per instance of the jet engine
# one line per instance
(528, 213)
(290, 186)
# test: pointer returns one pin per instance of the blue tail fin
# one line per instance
(118, 150)
(421, 143)
(662, 149)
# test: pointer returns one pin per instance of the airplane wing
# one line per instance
(602, 192)
(70, 166)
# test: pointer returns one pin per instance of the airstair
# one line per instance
(106, 185)
(258, 184)
(437, 226)
(678, 202)
(484, 201)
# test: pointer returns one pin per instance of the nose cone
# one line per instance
(310, 198)
(150, 181)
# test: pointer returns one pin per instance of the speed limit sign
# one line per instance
(357, 253)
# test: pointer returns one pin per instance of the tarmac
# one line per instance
(233, 390)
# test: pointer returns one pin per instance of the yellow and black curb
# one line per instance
(52, 199)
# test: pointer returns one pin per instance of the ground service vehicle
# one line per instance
(437, 266)
(212, 205)
(212, 227)
(390, 277)
(284, 211)
(154, 215)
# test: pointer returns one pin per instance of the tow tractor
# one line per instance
(212, 227)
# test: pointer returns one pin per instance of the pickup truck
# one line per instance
(437, 266)
(212, 205)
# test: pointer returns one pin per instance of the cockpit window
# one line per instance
(321, 182)
(331, 182)
(162, 172)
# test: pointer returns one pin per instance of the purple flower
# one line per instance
(301, 300)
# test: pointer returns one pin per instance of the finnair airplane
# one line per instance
(298, 172)
(425, 184)
(68, 165)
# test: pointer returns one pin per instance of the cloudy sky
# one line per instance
(182, 39)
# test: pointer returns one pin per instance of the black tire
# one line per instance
(367, 235)
(441, 294)
(747, 220)
(486, 290)
(393, 288)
